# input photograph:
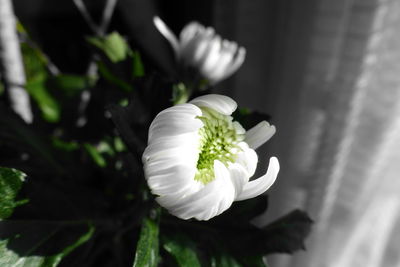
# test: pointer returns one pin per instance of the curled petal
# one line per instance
(258, 186)
(167, 33)
(259, 134)
(220, 103)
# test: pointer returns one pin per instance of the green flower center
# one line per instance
(218, 141)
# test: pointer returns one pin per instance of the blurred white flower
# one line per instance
(204, 50)
(198, 160)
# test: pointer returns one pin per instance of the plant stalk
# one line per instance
(12, 63)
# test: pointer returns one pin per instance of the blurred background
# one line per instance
(327, 72)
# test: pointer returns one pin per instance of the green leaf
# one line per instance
(105, 148)
(224, 260)
(35, 62)
(244, 211)
(113, 45)
(48, 105)
(20, 28)
(110, 77)
(119, 145)
(33, 243)
(36, 72)
(137, 68)
(10, 183)
(55, 259)
(63, 145)
(285, 235)
(288, 233)
(28, 247)
(147, 246)
(95, 154)
(1, 88)
(71, 84)
(253, 261)
(183, 251)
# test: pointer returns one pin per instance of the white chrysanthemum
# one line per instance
(198, 160)
(201, 48)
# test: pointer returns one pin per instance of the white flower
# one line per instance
(198, 160)
(202, 49)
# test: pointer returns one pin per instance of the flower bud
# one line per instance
(200, 48)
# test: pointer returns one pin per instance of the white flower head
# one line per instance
(204, 50)
(198, 160)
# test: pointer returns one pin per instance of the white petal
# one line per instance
(176, 120)
(174, 126)
(170, 158)
(167, 33)
(190, 31)
(163, 163)
(172, 171)
(226, 57)
(170, 180)
(182, 108)
(237, 62)
(220, 103)
(259, 134)
(247, 158)
(212, 56)
(172, 200)
(156, 164)
(167, 145)
(260, 185)
(210, 201)
(238, 128)
(194, 205)
(194, 51)
(239, 177)
(227, 194)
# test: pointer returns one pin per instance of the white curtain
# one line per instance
(329, 74)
